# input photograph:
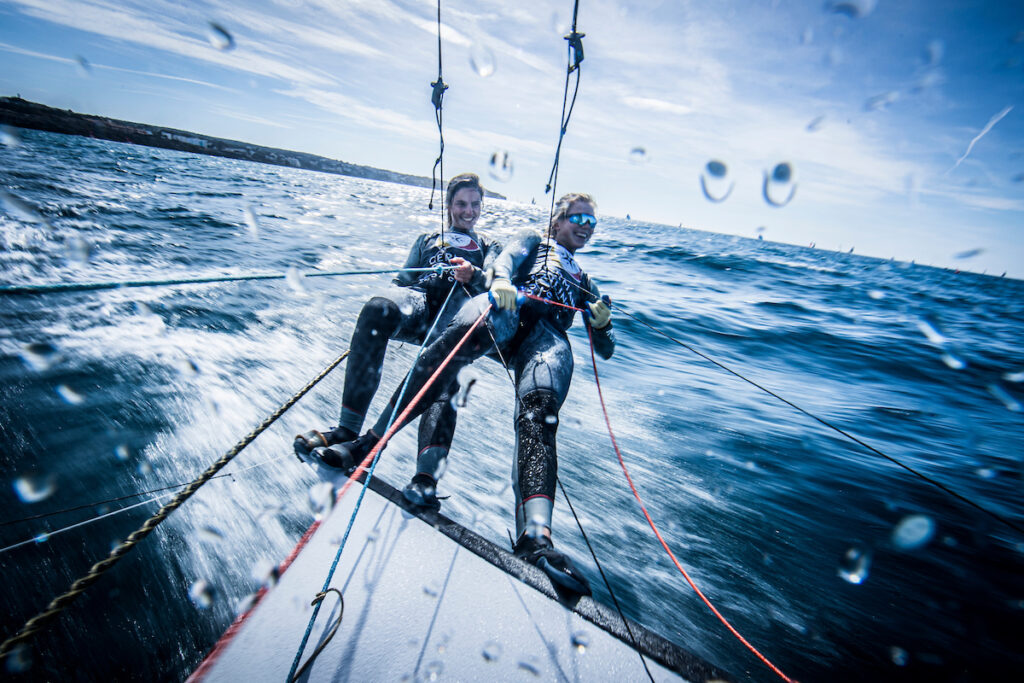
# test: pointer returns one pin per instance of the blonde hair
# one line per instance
(563, 204)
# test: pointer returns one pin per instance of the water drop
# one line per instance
(294, 279)
(19, 660)
(1005, 398)
(433, 589)
(931, 331)
(42, 537)
(123, 453)
(70, 396)
(913, 532)
(32, 488)
(433, 671)
(855, 9)
(20, 209)
(187, 367)
(219, 37)
(481, 59)
(985, 472)
(580, 641)
(265, 573)
(321, 499)
(84, 68)
(881, 101)
(374, 332)
(953, 362)
(933, 52)
(876, 294)
(144, 468)
(855, 565)
(501, 167)
(638, 155)
(251, 221)
(492, 651)
(551, 419)
(1013, 376)
(899, 656)
(815, 124)
(40, 356)
(714, 182)
(536, 526)
(9, 136)
(245, 603)
(79, 251)
(969, 253)
(406, 308)
(530, 666)
(201, 594)
(210, 534)
(807, 36)
(780, 176)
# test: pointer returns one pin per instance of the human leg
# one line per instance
(437, 427)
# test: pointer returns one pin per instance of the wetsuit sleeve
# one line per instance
(514, 254)
(477, 283)
(604, 338)
(415, 260)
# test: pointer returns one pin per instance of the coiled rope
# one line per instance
(60, 603)
(89, 286)
(657, 533)
(295, 670)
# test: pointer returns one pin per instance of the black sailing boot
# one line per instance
(541, 552)
(346, 456)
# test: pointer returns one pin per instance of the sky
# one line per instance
(901, 123)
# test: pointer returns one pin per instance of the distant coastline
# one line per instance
(15, 111)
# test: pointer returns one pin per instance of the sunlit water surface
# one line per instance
(836, 563)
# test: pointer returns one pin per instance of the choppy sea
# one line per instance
(834, 561)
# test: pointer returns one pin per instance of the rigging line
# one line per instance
(657, 533)
(135, 495)
(366, 483)
(607, 584)
(47, 535)
(89, 286)
(833, 427)
(60, 603)
(437, 99)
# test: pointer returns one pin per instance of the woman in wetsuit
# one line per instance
(532, 339)
(406, 313)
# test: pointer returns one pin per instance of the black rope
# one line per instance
(574, 58)
(828, 424)
(625, 622)
(437, 99)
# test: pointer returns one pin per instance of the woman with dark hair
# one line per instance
(406, 313)
(532, 339)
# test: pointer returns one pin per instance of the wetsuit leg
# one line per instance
(543, 365)
(437, 427)
(500, 324)
(402, 314)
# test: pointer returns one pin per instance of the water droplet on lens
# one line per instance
(373, 332)
(481, 59)
(19, 660)
(782, 173)
(32, 488)
(815, 124)
(20, 209)
(638, 155)
(876, 294)
(899, 656)
(1013, 376)
(433, 671)
(9, 136)
(251, 221)
(931, 331)
(294, 278)
(530, 666)
(913, 532)
(933, 52)
(83, 66)
(219, 37)
(144, 468)
(580, 641)
(187, 367)
(970, 253)
(882, 101)
(775, 182)
(245, 603)
(321, 499)
(265, 573)
(1005, 398)
(70, 396)
(713, 182)
(406, 308)
(551, 419)
(210, 534)
(717, 168)
(78, 249)
(201, 594)
(953, 362)
(501, 167)
(492, 651)
(123, 453)
(433, 589)
(40, 356)
(855, 9)
(855, 565)
(986, 472)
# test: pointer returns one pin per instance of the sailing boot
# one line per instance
(422, 492)
(306, 442)
(346, 456)
(540, 551)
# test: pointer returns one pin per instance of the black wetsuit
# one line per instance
(533, 340)
(406, 313)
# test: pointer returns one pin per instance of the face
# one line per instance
(465, 209)
(570, 235)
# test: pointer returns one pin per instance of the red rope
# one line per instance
(549, 301)
(657, 533)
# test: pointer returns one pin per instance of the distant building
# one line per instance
(187, 139)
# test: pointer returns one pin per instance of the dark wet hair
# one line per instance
(460, 182)
(567, 200)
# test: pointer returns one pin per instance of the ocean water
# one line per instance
(835, 562)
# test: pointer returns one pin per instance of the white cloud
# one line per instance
(655, 105)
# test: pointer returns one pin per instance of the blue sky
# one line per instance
(903, 122)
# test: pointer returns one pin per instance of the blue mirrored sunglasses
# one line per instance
(583, 219)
